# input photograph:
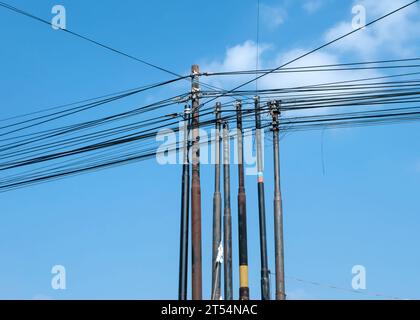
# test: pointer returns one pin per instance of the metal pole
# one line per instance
(183, 254)
(265, 284)
(227, 217)
(278, 209)
(217, 209)
(214, 294)
(242, 227)
(196, 277)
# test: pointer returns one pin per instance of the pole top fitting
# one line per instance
(187, 109)
(238, 104)
(195, 69)
(275, 112)
(257, 98)
(274, 107)
(218, 107)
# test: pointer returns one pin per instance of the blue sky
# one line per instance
(116, 231)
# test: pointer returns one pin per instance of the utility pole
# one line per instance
(265, 285)
(278, 208)
(227, 217)
(242, 227)
(185, 205)
(195, 188)
(217, 209)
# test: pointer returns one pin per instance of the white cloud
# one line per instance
(309, 78)
(393, 35)
(240, 57)
(272, 16)
(312, 6)
(243, 57)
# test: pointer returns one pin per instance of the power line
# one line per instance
(335, 287)
(295, 69)
(314, 50)
(71, 111)
(312, 69)
(95, 42)
(7, 184)
(118, 93)
(29, 15)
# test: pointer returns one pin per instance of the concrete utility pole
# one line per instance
(265, 284)
(185, 205)
(278, 208)
(195, 188)
(227, 217)
(242, 226)
(217, 209)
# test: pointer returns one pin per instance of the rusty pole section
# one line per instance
(278, 209)
(265, 285)
(227, 217)
(196, 277)
(185, 205)
(217, 209)
(242, 228)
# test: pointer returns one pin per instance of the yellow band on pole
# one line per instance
(243, 276)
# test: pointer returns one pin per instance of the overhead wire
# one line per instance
(314, 50)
